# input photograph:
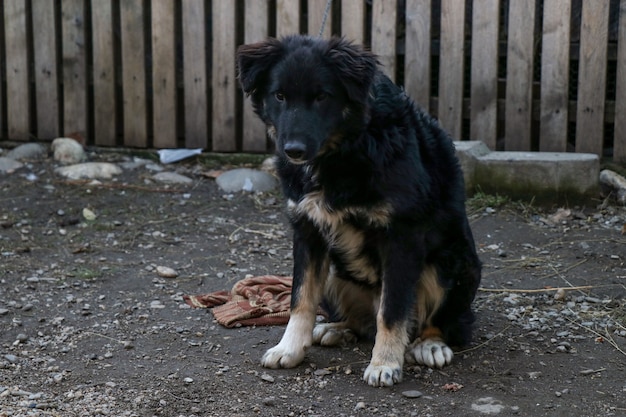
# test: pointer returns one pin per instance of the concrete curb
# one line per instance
(545, 177)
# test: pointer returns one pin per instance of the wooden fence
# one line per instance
(545, 75)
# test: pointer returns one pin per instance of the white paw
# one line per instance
(432, 353)
(382, 375)
(282, 357)
(333, 334)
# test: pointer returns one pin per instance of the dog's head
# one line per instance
(308, 91)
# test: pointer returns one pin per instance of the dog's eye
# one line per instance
(321, 97)
(279, 97)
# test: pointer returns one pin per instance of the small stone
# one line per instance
(3, 311)
(267, 378)
(11, 358)
(89, 170)
(68, 151)
(156, 304)
(172, 178)
(322, 372)
(28, 151)
(166, 272)
(8, 165)
(269, 401)
(360, 406)
(412, 394)
(188, 380)
(22, 338)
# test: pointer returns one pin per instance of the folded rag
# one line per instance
(259, 301)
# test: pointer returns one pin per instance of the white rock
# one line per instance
(172, 178)
(89, 170)
(245, 179)
(28, 151)
(8, 165)
(67, 151)
(166, 272)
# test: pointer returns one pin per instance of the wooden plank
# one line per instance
(417, 54)
(353, 20)
(315, 15)
(163, 75)
(619, 140)
(554, 75)
(384, 26)
(103, 73)
(194, 74)
(519, 78)
(18, 98)
(133, 73)
(484, 75)
(451, 66)
(74, 68)
(287, 17)
(223, 76)
(592, 76)
(256, 29)
(46, 74)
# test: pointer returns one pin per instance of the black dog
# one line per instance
(376, 200)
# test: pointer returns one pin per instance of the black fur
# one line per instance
(343, 130)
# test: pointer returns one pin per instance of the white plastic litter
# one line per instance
(167, 156)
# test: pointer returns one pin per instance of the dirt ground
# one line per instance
(88, 327)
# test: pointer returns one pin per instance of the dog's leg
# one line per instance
(311, 267)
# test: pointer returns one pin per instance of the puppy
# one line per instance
(376, 200)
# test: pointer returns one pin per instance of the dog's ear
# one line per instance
(354, 66)
(254, 62)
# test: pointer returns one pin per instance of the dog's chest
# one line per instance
(345, 231)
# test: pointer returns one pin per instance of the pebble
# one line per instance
(89, 170)
(188, 380)
(28, 151)
(412, 394)
(172, 178)
(267, 378)
(22, 338)
(3, 311)
(8, 165)
(156, 304)
(166, 272)
(10, 358)
(360, 406)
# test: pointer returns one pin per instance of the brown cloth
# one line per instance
(253, 301)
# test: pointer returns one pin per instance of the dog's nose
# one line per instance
(295, 150)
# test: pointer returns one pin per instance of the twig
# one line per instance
(607, 337)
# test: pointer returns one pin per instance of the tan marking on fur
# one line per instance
(271, 132)
(431, 332)
(390, 343)
(430, 295)
(354, 303)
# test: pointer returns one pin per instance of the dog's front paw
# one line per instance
(383, 375)
(430, 352)
(333, 334)
(281, 357)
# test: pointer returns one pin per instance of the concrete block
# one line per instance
(468, 153)
(546, 177)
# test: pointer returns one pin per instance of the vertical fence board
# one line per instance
(519, 76)
(384, 14)
(46, 75)
(451, 66)
(353, 20)
(133, 73)
(316, 11)
(163, 74)
(256, 14)
(18, 98)
(555, 75)
(104, 106)
(619, 140)
(418, 39)
(195, 73)
(74, 68)
(484, 75)
(223, 76)
(287, 17)
(592, 76)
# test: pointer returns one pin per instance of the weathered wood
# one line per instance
(592, 76)
(18, 97)
(384, 26)
(451, 66)
(195, 73)
(134, 73)
(256, 29)
(287, 17)
(417, 53)
(353, 20)
(619, 140)
(74, 68)
(519, 76)
(316, 10)
(104, 111)
(164, 119)
(46, 74)
(554, 75)
(223, 76)
(484, 75)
